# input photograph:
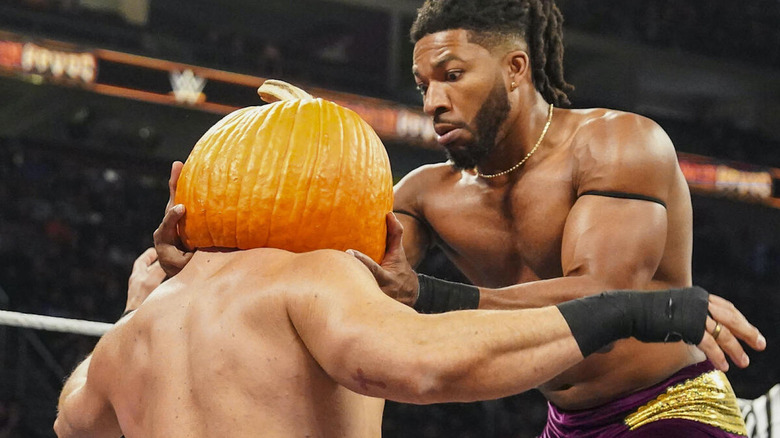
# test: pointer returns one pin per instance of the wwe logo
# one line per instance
(187, 88)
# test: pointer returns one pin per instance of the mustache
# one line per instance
(438, 120)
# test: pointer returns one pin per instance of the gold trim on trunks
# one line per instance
(707, 399)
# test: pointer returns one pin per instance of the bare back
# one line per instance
(213, 353)
(538, 225)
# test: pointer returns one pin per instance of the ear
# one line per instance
(519, 65)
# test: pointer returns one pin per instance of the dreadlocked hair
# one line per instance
(489, 22)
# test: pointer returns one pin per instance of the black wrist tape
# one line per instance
(439, 296)
(660, 316)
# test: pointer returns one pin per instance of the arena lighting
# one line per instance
(164, 82)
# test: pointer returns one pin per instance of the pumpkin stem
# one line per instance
(274, 90)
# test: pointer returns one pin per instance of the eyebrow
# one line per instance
(443, 60)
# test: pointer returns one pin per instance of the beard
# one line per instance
(487, 122)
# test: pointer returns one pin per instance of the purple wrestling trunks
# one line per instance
(696, 401)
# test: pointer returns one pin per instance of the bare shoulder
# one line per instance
(327, 284)
(424, 175)
(412, 189)
(328, 269)
(605, 131)
(316, 262)
(621, 147)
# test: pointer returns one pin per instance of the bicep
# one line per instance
(416, 238)
(620, 242)
(618, 235)
(86, 410)
(417, 232)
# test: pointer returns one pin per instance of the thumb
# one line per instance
(395, 233)
(167, 233)
(173, 181)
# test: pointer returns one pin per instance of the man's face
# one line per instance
(464, 92)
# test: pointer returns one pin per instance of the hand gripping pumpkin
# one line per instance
(297, 174)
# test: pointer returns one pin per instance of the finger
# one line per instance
(166, 233)
(395, 234)
(711, 348)
(372, 266)
(172, 183)
(728, 343)
(732, 319)
(145, 259)
(176, 259)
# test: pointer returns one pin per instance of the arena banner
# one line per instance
(735, 180)
(50, 62)
(170, 83)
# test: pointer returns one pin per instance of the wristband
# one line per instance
(439, 296)
(662, 316)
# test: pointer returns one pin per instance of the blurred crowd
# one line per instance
(746, 31)
(72, 222)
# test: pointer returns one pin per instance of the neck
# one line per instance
(522, 133)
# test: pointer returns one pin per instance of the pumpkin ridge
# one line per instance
(337, 192)
(248, 179)
(269, 155)
(240, 154)
(353, 158)
(212, 214)
(305, 223)
(201, 185)
(285, 163)
(366, 198)
(370, 204)
(219, 177)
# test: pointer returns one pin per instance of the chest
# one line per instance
(503, 235)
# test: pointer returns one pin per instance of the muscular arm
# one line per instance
(83, 410)
(375, 346)
(417, 234)
(608, 243)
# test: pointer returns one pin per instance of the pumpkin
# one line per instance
(298, 174)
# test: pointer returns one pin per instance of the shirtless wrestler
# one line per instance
(268, 342)
(539, 205)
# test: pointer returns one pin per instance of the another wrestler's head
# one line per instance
(464, 53)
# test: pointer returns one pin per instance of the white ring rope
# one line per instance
(54, 324)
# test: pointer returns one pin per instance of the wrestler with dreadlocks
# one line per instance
(539, 204)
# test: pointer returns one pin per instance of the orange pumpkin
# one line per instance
(298, 174)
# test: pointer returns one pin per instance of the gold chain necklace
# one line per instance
(528, 155)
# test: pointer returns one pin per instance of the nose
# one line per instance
(436, 100)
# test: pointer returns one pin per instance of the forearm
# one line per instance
(535, 294)
(509, 354)
(461, 356)
(474, 355)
